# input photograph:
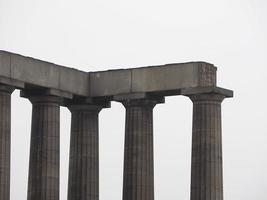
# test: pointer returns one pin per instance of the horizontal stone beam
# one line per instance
(172, 79)
(26, 72)
(163, 80)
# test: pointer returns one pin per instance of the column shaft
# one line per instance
(206, 166)
(84, 154)
(5, 141)
(44, 151)
(138, 180)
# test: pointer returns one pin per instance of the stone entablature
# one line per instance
(29, 73)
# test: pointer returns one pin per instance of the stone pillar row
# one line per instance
(138, 176)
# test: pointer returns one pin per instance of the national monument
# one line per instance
(49, 86)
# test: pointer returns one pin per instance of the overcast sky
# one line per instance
(94, 35)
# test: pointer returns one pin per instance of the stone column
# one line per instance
(5, 140)
(206, 166)
(138, 178)
(44, 151)
(84, 153)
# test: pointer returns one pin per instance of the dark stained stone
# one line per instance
(5, 140)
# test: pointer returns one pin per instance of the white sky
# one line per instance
(97, 35)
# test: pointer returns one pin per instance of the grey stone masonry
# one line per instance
(25, 72)
(44, 151)
(5, 140)
(206, 166)
(49, 86)
(84, 153)
(138, 178)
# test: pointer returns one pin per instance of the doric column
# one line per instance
(138, 178)
(43, 183)
(84, 153)
(206, 166)
(5, 140)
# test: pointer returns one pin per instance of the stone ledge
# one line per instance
(206, 90)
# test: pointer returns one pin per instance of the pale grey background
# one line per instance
(99, 35)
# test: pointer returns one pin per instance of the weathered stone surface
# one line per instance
(34, 72)
(206, 75)
(164, 79)
(5, 141)
(74, 81)
(21, 71)
(44, 151)
(138, 177)
(206, 166)
(84, 153)
(109, 83)
(167, 78)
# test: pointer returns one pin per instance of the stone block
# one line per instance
(109, 83)
(164, 78)
(34, 71)
(4, 64)
(74, 80)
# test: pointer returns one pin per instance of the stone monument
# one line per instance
(49, 86)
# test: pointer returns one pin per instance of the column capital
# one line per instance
(207, 97)
(40, 97)
(84, 108)
(86, 104)
(6, 88)
(207, 93)
(139, 100)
